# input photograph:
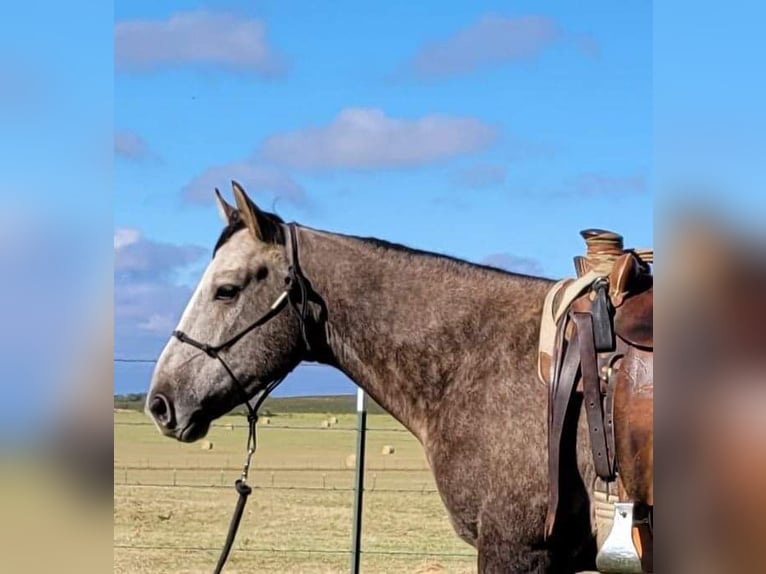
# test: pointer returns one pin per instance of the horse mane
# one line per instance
(237, 224)
(449, 259)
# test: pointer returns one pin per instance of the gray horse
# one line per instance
(446, 346)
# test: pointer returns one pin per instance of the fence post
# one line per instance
(356, 535)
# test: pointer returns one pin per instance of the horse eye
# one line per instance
(226, 292)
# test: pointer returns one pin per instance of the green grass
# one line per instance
(173, 501)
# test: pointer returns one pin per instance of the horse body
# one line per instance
(447, 347)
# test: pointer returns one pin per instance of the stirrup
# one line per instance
(618, 553)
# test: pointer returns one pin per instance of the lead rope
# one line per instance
(243, 489)
(240, 485)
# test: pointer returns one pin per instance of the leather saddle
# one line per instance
(592, 327)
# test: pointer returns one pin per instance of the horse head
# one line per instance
(237, 335)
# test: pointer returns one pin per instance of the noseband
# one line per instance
(294, 281)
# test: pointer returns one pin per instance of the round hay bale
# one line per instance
(266, 420)
(429, 567)
(206, 445)
(388, 449)
(325, 424)
(351, 461)
(333, 420)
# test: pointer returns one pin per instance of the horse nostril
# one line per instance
(159, 407)
(162, 411)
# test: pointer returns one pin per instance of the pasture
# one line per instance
(173, 501)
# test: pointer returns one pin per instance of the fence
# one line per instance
(379, 479)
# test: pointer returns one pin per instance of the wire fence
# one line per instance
(174, 547)
(284, 488)
(262, 469)
(273, 427)
(317, 479)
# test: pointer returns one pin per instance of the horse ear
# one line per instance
(227, 212)
(248, 210)
(262, 226)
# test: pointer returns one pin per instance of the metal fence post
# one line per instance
(356, 536)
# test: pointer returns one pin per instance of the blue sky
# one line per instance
(55, 205)
(474, 129)
(709, 93)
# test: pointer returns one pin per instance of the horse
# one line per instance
(447, 347)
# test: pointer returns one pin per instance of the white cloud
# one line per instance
(124, 237)
(601, 184)
(160, 323)
(491, 40)
(254, 177)
(147, 298)
(514, 263)
(198, 38)
(136, 257)
(130, 145)
(365, 138)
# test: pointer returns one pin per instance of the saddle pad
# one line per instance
(557, 301)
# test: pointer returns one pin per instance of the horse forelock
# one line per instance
(237, 224)
(234, 225)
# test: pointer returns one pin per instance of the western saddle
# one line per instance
(596, 349)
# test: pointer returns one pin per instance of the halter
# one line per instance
(294, 280)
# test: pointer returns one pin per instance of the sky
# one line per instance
(484, 130)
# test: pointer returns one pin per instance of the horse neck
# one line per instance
(407, 326)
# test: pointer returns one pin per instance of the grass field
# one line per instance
(173, 501)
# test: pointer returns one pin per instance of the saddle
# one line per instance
(596, 349)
